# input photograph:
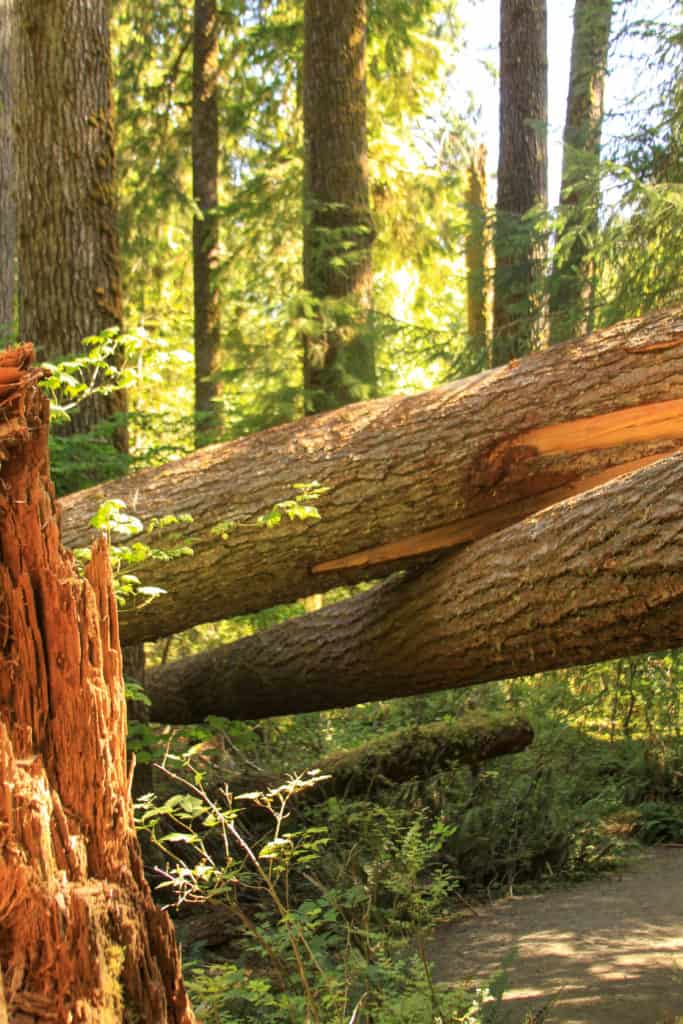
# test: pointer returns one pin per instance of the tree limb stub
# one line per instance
(406, 476)
(594, 577)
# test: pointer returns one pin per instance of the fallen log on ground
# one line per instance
(80, 936)
(407, 476)
(418, 752)
(361, 772)
(595, 577)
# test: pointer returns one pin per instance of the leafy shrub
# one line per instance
(321, 940)
(659, 822)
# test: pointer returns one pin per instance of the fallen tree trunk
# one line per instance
(407, 476)
(416, 753)
(595, 577)
(80, 937)
(404, 754)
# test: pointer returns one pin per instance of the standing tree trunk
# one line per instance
(519, 304)
(69, 271)
(7, 218)
(80, 936)
(339, 364)
(69, 285)
(573, 276)
(205, 225)
(478, 257)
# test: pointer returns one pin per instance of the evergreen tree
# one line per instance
(573, 282)
(519, 305)
(67, 234)
(339, 364)
(205, 224)
(7, 216)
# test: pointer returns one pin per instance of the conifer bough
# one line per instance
(408, 477)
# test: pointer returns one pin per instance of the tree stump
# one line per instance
(80, 937)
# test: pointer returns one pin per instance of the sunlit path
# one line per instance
(608, 951)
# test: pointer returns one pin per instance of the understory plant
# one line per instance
(318, 940)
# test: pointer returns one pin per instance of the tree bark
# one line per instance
(479, 264)
(407, 476)
(519, 302)
(339, 364)
(592, 578)
(68, 251)
(207, 333)
(573, 285)
(67, 240)
(7, 211)
(80, 937)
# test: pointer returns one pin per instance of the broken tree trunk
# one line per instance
(407, 476)
(595, 577)
(80, 937)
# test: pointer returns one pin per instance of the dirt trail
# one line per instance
(609, 951)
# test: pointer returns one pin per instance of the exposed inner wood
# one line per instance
(597, 576)
(653, 422)
(479, 526)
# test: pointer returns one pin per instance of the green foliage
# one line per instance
(315, 946)
(659, 822)
(638, 252)
(113, 519)
(415, 144)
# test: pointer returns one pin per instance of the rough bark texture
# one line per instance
(64, 157)
(207, 336)
(339, 362)
(572, 285)
(593, 578)
(415, 753)
(519, 307)
(7, 217)
(406, 475)
(80, 937)
(479, 264)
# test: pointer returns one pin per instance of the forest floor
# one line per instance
(606, 951)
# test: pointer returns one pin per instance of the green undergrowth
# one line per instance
(332, 906)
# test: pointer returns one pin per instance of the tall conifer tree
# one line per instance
(205, 225)
(519, 307)
(572, 283)
(339, 361)
(63, 133)
(7, 219)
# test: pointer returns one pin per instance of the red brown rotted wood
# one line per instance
(80, 937)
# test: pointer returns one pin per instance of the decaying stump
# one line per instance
(80, 937)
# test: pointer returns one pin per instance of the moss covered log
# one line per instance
(418, 752)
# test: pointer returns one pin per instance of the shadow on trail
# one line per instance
(608, 951)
